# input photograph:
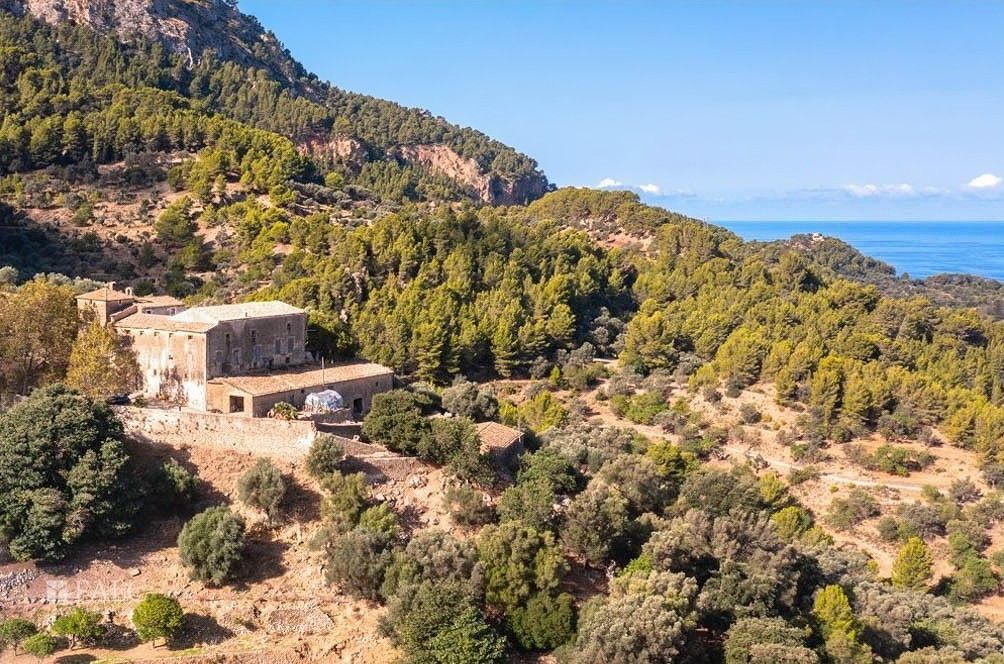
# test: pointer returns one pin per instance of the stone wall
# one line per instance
(265, 437)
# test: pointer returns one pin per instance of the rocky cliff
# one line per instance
(441, 159)
(193, 28)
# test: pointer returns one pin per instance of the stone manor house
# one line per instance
(232, 358)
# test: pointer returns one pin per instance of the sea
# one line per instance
(918, 248)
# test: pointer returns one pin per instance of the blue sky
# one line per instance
(748, 110)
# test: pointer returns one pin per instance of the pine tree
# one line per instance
(833, 611)
(912, 567)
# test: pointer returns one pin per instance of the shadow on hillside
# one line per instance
(82, 658)
(410, 519)
(200, 630)
(302, 503)
(262, 561)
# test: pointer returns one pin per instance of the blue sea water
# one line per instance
(919, 248)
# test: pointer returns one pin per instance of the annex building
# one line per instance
(232, 358)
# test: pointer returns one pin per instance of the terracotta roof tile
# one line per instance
(161, 323)
(222, 312)
(496, 436)
(299, 379)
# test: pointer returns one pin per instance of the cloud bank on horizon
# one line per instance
(981, 198)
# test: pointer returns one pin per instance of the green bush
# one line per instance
(467, 506)
(545, 623)
(79, 626)
(845, 513)
(396, 421)
(14, 631)
(357, 561)
(157, 617)
(173, 486)
(324, 457)
(211, 545)
(262, 487)
(40, 645)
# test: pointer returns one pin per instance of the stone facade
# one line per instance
(233, 358)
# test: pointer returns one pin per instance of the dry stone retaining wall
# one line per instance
(264, 437)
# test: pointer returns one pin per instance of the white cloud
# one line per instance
(985, 181)
(869, 190)
(608, 182)
(650, 188)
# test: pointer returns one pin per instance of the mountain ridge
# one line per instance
(205, 36)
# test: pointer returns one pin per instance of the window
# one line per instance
(219, 358)
(278, 345)
(256, 355)
(237, 357)
(289, 344)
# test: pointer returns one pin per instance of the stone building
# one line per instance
(255, 395)
(232, 358)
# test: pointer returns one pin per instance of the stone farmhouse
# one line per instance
(232, 358)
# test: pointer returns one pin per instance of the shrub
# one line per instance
(519, 562)
(640, 408)
(964, 491)
(975, 578)
(40, 645)
(466, 399)
(531, 503)
(262, 487)
(80, 626)
(924, 521)
(157, 617)
(801, 475)
(380, 519)
(888, 528)
(357, 561)
(212, 544)
(14, 631)
(845, 513)
(440, 623)
(173, 485)
(467, 506)
(347, 497)
(396, 421)
(324, 457)
(892, 459)
(749, 414)
(596, 523)
(544, 623)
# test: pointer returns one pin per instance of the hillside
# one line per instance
(733, 452)
(207, 52)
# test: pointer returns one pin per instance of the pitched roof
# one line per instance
(160, 301)
(223, 312)
(497, 436)
(301, 379)
(162, 323)
(105, 294)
